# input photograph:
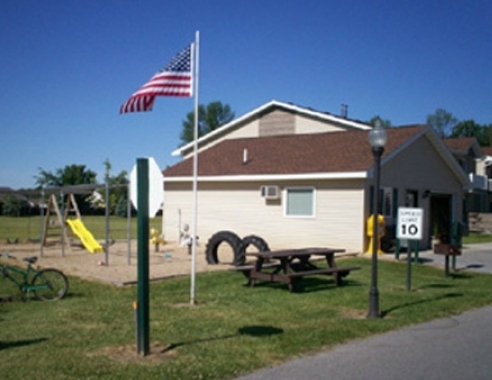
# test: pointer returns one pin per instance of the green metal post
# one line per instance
(416, 249)
(409, 266)
(143, 255)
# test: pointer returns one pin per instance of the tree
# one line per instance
(385, 123)
(442, 122)
(118, 190)
(11, 205)
(469, 128)
(211, 117)
(68, 176)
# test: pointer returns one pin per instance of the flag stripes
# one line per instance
(175, 79)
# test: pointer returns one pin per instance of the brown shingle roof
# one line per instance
(487, 150)
(295, 154)
(467, 146)
(459, 143)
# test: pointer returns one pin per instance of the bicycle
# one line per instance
(48, 284)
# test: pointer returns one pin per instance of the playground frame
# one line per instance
(57, 205)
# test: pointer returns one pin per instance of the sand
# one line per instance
(118, 267)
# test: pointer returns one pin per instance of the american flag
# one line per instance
(175, 79)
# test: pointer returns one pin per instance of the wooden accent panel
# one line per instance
(277, 123)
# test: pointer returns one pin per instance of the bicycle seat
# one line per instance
(31, 259)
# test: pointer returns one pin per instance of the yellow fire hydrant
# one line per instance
(156, 239)
(370, 231)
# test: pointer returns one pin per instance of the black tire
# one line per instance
(53, 285)
(259, 243)
(220, 237)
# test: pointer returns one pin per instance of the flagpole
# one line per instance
(195, 51)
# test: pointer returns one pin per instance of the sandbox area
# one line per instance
(170, 261)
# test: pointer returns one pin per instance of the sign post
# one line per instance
(146, 194)
(143, 256)
(410, 221)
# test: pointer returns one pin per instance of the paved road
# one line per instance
(476, 257)
(452, 348)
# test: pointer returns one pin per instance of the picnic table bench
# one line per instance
(287, 266)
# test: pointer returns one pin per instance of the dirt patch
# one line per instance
(119, 266)
(157, 353)
(353, 313)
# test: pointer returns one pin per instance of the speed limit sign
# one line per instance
(410, 222)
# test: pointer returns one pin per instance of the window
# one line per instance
(299, 201)
(387, 201)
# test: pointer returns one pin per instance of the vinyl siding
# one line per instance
(277, 123)
(339, 221)
(423, 170)
(250, 129)
(307, 125)
(481, 168)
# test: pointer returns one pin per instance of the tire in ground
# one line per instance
(220, 237)
(259, 243)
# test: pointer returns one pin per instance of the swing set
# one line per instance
(57, 221)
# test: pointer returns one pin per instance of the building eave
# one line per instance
(270, 177)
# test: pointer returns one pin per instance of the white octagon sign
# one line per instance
(155, 187)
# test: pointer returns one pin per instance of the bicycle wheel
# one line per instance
(50, 285)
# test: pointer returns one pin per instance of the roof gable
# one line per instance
(267, 108)
(465, 146)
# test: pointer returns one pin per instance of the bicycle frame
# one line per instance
(25, 275)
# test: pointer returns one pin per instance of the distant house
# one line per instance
(476, 161)
(21, 200)
(484, 168)
(299, 178)
(6, 190)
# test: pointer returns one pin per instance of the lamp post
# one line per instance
(377, 139)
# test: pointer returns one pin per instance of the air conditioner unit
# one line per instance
(270, 192)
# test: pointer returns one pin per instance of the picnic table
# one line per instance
(288, 266)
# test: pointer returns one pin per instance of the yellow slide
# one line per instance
(84, 235)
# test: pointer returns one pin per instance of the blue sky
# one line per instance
(67, 66)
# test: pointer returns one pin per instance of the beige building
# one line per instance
(300, 178)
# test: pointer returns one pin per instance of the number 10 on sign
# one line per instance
(410, 222)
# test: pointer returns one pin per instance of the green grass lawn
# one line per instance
(474, 238)
(29, 228)
(233, 330)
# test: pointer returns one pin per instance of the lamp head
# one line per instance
(377, 135)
